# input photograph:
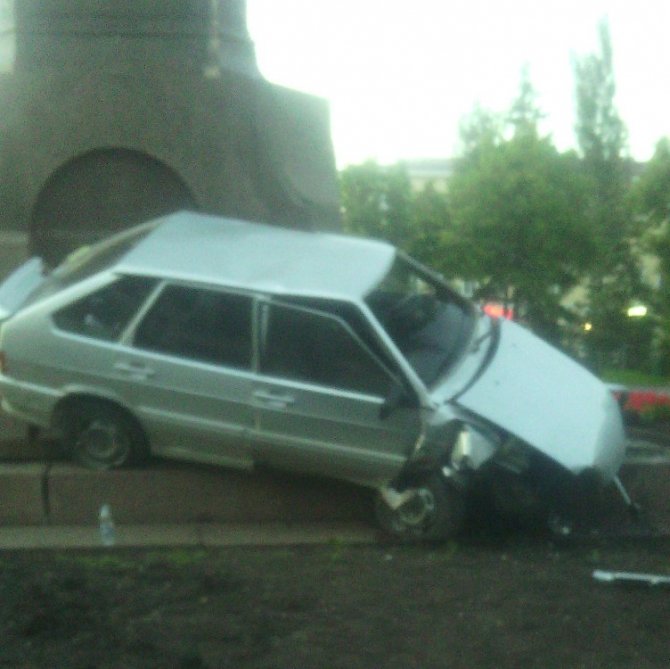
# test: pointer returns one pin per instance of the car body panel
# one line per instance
(188, 409)
(546, 399)
(257, 257)
(336, 433)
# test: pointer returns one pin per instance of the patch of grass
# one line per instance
(178, 557)
(338, 550)
(594, 557)
(632, 378)
(106, 560)
(100, 561)
(656, 413)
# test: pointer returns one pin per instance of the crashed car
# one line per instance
(241, 344)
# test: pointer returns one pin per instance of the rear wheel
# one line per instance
(433, 511)
(100, 435)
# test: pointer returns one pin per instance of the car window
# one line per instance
(354, 319)
(199, 324)
(319, 348)
(430, 325)
(105, 313)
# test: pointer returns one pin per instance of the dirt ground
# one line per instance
(491, 599)
(513, 601)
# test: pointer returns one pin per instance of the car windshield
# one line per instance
(430, 324)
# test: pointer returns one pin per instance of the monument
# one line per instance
(116, 111)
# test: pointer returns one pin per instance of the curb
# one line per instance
(206, 535)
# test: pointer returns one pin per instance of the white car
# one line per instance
(222, 341)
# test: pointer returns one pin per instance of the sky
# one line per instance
(400, 76)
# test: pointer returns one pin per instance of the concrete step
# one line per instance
(22, 494)
(171, 493)
(14, 445)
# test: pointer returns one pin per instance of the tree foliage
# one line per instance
(376, 201)
(517, 207)
(601, 134)
(527, 223)
(651, 201)
(524, 114)
(379, 202)
(602, 137)
(651, 193)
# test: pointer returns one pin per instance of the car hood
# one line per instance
(16, 288)
(545, 398)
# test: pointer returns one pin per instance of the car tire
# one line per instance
(100, 435)
(436, 513)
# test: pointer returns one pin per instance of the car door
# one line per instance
(187, 366)
(318, 395)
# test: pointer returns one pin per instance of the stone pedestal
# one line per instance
(117, 111)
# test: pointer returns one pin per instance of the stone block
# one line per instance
(21, 501)
(181, 493)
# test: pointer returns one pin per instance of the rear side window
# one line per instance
(199, 324)
(105, 313)
(89, 260)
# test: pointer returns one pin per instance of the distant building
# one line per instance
(424, 171)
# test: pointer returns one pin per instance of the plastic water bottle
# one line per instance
(107, 529)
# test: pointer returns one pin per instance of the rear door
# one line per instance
(318, 394)
(187, 368)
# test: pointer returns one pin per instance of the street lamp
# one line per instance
(637, 311)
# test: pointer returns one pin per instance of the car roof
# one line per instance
(228, 252)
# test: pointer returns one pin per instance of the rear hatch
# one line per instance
(19, 285)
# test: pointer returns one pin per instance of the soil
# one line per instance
(492, 598)
(514, 600)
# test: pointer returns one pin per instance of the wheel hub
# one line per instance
(418, 508)
(103, 442)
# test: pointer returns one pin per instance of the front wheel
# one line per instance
(433, 510)
(99, 435)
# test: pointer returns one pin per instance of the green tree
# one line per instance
(379, 202)
(433, 232)
(376, 202)
(478, 131)
(517, 207)
(651, 193)
(601, 134)
(524, 114)
(651, 202)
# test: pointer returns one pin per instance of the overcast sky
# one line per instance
(399, 76)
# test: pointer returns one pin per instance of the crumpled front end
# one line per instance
(543, 398)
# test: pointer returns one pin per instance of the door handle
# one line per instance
(137, 370)
(273, 400)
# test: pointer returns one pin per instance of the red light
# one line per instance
(497, 310)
